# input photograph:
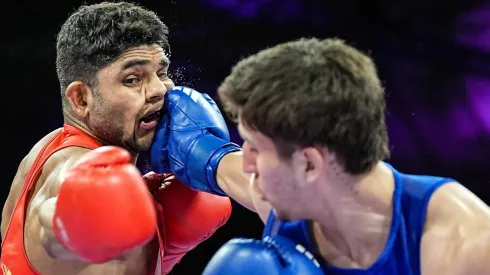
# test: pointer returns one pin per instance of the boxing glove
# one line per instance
(188, 217)
(104, 208)
(272, 256)
(190, 139)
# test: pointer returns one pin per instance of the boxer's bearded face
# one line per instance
(129, 94)
(274, 178)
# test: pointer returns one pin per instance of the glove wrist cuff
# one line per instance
(212, 149)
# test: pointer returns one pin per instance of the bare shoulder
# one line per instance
(26, 164)
(454, 205)
(52, 175)
(456, 238)
(57, 164)
(19, 179)
(52, 165)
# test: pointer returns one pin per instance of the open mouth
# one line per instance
(150, 121)
(151, 117)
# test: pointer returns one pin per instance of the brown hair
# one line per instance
(312, 92)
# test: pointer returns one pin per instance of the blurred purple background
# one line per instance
(433, 58)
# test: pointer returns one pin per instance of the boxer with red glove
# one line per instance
(103, 208)
(186, 217)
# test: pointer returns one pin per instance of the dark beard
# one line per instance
(107, 125)
(109, 128)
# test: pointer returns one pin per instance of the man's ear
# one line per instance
(309, 163)
(80, 98)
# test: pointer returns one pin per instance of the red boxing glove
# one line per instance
(189, 217)
(104, 208)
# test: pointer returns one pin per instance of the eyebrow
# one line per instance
(143, 62)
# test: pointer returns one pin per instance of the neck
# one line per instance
(83, 127)
(354, 218)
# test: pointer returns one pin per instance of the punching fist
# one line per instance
(103, 208)
(272, 256)
(190, 139)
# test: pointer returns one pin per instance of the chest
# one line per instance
(394, 256)
(399, 255)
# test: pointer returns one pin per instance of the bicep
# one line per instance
(457, 256)
(459, 244)
(473, 257)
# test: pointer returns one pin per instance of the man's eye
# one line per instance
(131, 80)
(163, 76)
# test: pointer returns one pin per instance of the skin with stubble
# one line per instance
(128, 89)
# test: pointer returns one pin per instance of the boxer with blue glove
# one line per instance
(190, 141)
(311, 114)
(272, 256)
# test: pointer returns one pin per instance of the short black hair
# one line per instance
(95, 35)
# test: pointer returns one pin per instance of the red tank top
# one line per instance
(14, 258)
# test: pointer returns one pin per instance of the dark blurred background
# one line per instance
(433, 58)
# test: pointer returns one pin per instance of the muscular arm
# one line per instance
(456, 240)
(474, 255)
(39, 227)
(236, 184)
(456, 254)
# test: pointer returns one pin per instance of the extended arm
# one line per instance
(192, 141)
(81, 211)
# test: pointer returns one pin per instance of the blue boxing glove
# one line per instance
(272, 256)
(190, 139)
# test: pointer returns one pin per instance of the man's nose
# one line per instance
(156, 89)
(248, 159)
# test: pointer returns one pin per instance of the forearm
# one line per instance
(233, 181)
(48, 240)
(54, 248)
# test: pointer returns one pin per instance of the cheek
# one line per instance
(129, 107)
(264, 167)
(271, 175)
